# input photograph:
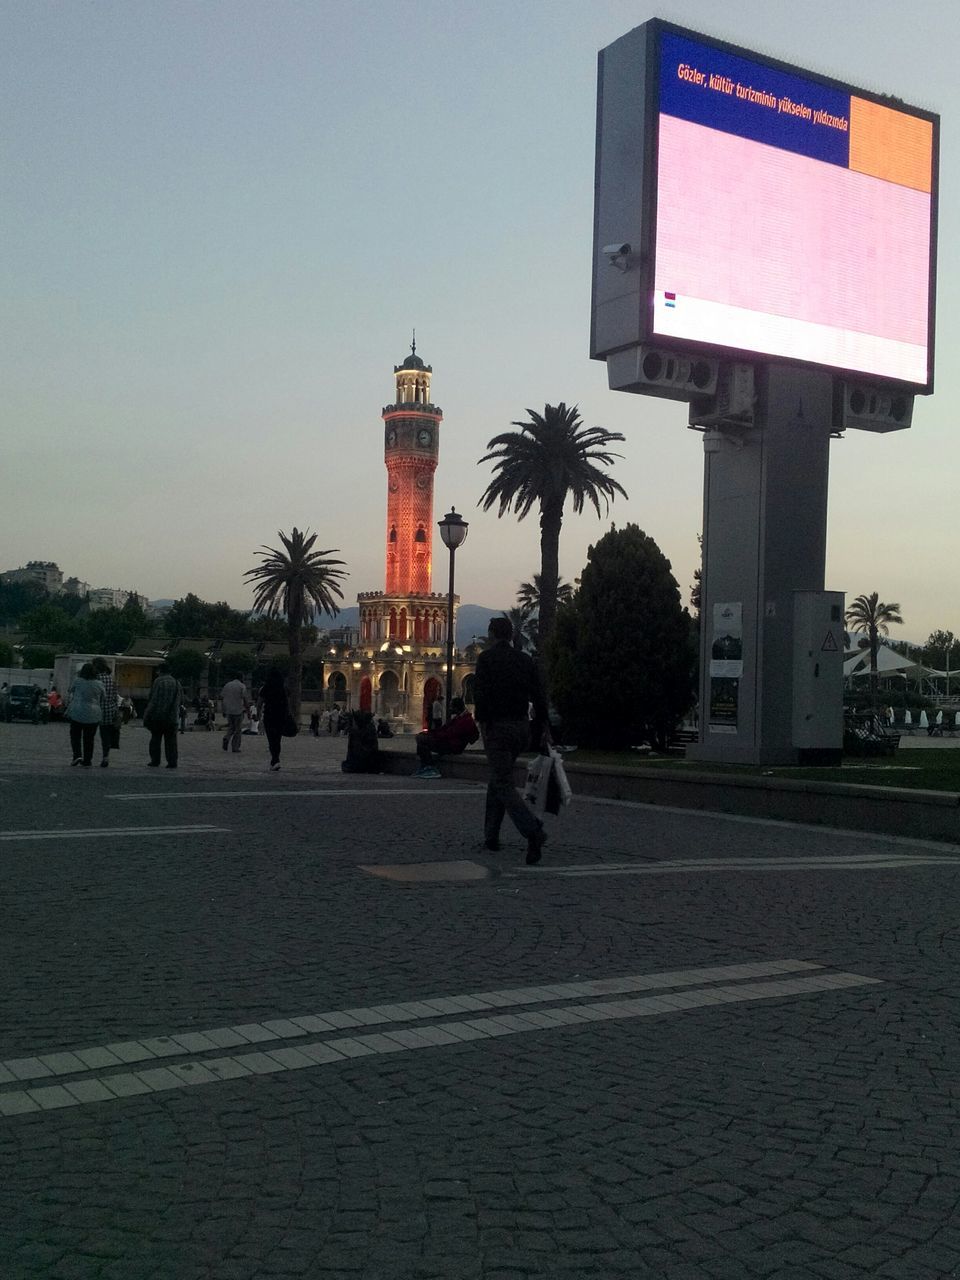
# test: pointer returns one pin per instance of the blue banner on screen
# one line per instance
(722, 91)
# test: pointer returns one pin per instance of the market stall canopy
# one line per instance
(858, 663)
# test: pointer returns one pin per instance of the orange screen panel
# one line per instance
(891, 145)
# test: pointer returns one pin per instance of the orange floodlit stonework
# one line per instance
(398, 667)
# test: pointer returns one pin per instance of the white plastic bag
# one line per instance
(537, 781)
(560, 775)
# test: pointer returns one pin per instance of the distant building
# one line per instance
(342, 637)
(45, 572)
(114, 598)
(74, 587)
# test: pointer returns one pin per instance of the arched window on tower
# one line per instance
(421, 537)
(393, 623)
(402, 625)
(393, 533)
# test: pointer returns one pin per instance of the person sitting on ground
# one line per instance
(383, 729)
(363, 750)
(451, 739)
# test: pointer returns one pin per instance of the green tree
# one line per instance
(872, 617)
(192, 616)
(528, 594)
(942, 651)
(186, 664)
(622, 658)
(296, 582)
(696, 589)
(49, 625)
(551, 458)
(524, 628)
(240, 663)
(37, 656)
(18, 598)
(113, 630)
(6, 654)
(264, 628)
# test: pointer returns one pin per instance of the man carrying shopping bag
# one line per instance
(506, 684)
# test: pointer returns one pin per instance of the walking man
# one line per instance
(161, 717)
(233, 697)
(506, 683)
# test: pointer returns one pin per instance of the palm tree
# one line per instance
(286, 582)
(524, 627)
(552, 457)
(528, 595)
(871, 616)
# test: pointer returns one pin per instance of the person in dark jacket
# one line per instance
(507, 683)
(273, 708)
(363, 749)
(162, 715)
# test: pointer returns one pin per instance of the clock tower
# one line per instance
(398, 668)
(411, 449)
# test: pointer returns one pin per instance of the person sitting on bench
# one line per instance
(451, 739)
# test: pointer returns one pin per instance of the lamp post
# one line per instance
(453, 531)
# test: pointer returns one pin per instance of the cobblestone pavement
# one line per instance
(688, 1046)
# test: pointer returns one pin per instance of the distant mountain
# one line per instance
(472, 620)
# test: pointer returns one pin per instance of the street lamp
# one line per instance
(453, 531)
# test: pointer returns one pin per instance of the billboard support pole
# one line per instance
(764, 551)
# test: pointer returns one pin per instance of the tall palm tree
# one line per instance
(528, 595)
(524, 627)
(286, 582)
(871, 616)
(552, 457)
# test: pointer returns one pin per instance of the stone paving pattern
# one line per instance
(813, 1137)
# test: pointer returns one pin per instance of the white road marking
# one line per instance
(281, 795)
(848, 862)
(751, 820)
(210, 1070)
(58, 1062)
(88, 832)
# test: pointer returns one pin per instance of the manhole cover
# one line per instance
(425, 871)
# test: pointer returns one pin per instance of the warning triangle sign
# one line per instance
(829, 644)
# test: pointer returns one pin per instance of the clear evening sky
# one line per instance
(222, 221)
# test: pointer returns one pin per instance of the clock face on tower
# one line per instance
(424, 436)
(391, 437)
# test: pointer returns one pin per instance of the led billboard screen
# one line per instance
(793, 218)
(777, 213)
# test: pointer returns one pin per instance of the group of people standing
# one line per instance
(93, 706)
(272, 711)
(507, 687)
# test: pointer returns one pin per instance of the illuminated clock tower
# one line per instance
(398, 669)
(411, 449)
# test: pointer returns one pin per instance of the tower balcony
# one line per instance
(413, 409)
(422, 597)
